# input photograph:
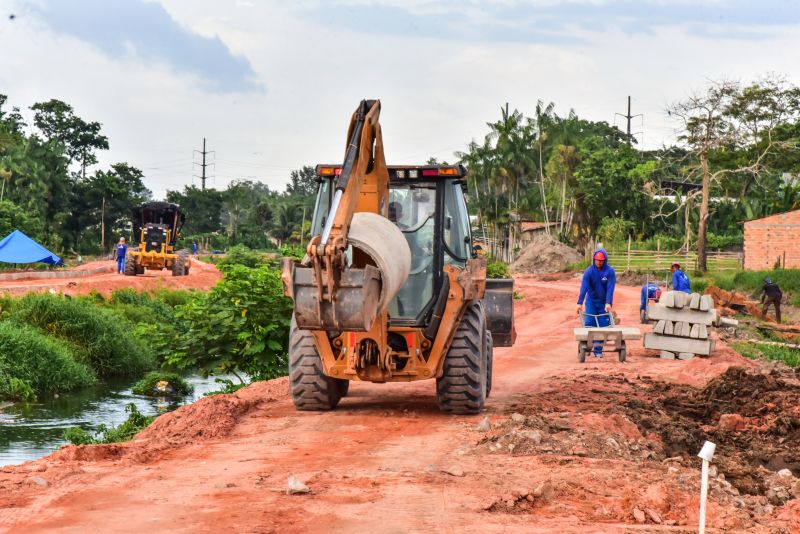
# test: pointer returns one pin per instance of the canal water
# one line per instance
(30, 431)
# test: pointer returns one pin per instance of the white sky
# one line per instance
(271, 85)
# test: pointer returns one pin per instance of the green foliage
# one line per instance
(32, 362)
(292, 251)
(104, 342)
(147, 385)
(497, 269)
(241, 325)
(790, 357)
(78, 436)
(228, 386)
(240, 255)
(614, 229)
(16, 389)
(135, 423)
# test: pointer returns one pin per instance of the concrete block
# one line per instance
(686, 330)
(659, 327)
(582, 334)
(725, 321)
(695, 332)
(694, 302)
(685, 315)
(702, 331)
(678, 344)
(667, 299)
(706, 303)
(680, 299)
(667, 355)
(669, 328)
(685, 356)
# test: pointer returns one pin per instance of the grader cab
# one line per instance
(157, 227)
(390, 289)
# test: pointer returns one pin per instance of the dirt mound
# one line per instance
(209, 418)
(545, 255)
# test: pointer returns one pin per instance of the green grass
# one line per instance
(106, 343)
(790, 357)
(31, 361)
(497, 269)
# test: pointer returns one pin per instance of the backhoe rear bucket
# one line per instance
(498, 301)
(354, 308)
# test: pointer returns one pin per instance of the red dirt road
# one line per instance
(571, 460)
(201, 276)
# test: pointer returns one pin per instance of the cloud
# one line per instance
(135, 28)
(555, 22)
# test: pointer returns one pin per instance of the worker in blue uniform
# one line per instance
(649, 292)
(680, 282)
(120, 251)
(597, 289)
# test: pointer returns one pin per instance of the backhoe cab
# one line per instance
(390, 290)
(157, 227)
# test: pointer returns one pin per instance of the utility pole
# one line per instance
(203, 153)
(628, 117)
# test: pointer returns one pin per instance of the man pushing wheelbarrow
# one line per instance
(597, 289)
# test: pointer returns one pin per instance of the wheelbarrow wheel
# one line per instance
(583, 348)
(623, 352)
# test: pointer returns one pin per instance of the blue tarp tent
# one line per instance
(19, 248)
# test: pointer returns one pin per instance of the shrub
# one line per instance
(753, 281)
(242, 324)
(240, 255)
(30, 361)
(108, 345)
(135, 423)
(497, 269)
(146, 385)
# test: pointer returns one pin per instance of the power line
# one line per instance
(203, 164)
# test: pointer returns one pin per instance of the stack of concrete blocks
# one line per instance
(682, 325)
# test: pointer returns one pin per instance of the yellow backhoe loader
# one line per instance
(390, 289)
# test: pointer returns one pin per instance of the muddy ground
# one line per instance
(599, 447)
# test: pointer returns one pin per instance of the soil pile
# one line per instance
(545, 255)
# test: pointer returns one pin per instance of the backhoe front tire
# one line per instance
(462, 387)
(311, 389)
(489, 362)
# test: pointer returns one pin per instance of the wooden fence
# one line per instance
(650, 260)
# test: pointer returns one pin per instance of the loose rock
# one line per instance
(484, 425)
(296, 487)
(638, 515)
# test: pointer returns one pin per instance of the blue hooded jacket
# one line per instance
(680, 282)
(597, 285)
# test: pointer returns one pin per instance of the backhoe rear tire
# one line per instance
(489, 362)
(462, 387)
(130, 267)
(311, 389)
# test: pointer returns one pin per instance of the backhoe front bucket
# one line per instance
(355, 305)
(498, 301)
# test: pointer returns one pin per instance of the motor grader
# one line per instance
(158, 228)
(389, 289)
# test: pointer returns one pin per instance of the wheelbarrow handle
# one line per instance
(584, 315)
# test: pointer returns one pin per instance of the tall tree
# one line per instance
(729, 131)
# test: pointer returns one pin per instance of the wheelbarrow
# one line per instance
(613, 337)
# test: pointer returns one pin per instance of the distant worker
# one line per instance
(772, 294)
(396, 215)
(649, 292)
(597, 287)
(120, 251)
(194, 248)
(680, 282)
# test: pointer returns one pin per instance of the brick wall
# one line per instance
(772, 238)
